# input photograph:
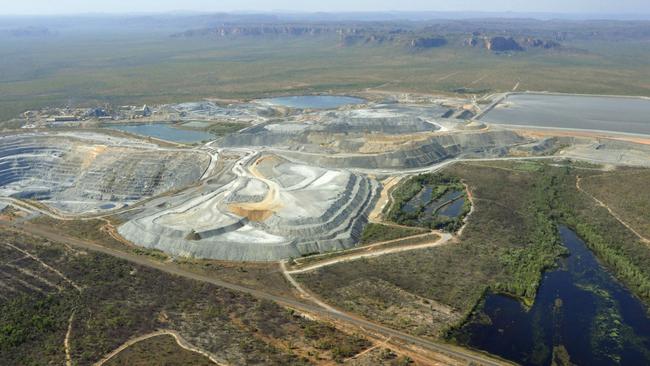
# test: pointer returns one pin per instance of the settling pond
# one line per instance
(165, 131)
(313, 101)
(615, 114)
(450, 204)
(579, 307)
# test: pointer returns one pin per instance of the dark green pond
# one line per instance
(579, 308)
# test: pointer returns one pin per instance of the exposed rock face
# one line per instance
(503, 44)
(509, 44)
(428, 42)
(348, 35)
(296, 30)
(355, 39)
(540, 43)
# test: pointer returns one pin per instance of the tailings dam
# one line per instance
(598, 113)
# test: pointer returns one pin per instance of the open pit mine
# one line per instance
(83, 172)
(291, 181)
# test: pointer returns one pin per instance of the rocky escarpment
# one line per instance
(348, 35)
(434, 42)
(409, 38)
(256, 30)
(509, 44)
(501, 44)
(540, 43)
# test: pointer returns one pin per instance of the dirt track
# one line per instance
(370, 328)
(444, 238)
(611, 212)
(179, 340)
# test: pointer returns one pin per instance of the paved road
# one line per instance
(470, 357)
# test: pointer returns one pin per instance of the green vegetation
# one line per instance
(159, 350)
(222, 129)
(153, 253)
(35, 325)
(561, 357)
(616, 246)
(616, 256)
(308, 260)
(91, 230)
(381, 357)
(148, 66)
(510, 239)
(374, 233)
(254, 275)
(119, 300)
(508, 242)
(622, 190)
(409, 209)
(96, 231)
(526, 264)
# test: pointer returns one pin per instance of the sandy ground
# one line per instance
(543, 133)
(259, 211)
(384, 199)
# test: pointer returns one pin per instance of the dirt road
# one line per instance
(446, 349)
(444, 238)
(179, 340)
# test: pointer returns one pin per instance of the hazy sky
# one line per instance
(125, 6)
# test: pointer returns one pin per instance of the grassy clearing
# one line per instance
(120, 300)
(374, 233)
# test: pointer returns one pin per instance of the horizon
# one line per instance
(387, 14)
(579, 8)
